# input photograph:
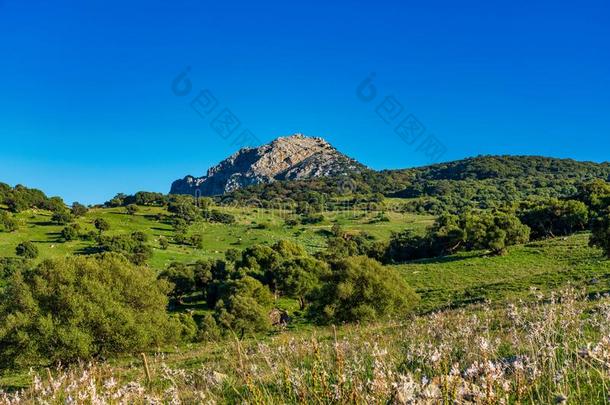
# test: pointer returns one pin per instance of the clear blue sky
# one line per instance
(87, 108)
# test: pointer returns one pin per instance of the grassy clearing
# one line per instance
(473, 277)
(253, 226)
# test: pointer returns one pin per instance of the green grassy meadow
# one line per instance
(526, 270)
(253, 226)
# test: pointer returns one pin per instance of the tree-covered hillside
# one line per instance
(479, 182)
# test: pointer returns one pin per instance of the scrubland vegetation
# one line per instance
(552, 349)
(420, 286)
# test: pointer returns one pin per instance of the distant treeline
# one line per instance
(20, 198)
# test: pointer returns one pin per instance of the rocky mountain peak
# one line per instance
(286, 158)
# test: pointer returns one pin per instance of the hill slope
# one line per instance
(479, 182)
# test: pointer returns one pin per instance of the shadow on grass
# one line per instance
(156, 228)
(447, 259)
(88, 250)
(43, 223)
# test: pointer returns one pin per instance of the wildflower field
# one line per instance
(550, 349)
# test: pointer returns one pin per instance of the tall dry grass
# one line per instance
(552, 350)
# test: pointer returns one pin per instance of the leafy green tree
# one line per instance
(151, 199)
(258, 261)
(245, 307)
(185, 325)
(182, 279)
(600, 233)
(407, 245)
(163, 243)
(181, 238)
(184, 208)
(203, 271)
(594, 193)
(336, 230)
(78, 308)
(139, 236)
(21, 198)
(205, 203)
(27, 250)
(232, 255)
(70, 232)
(494, 231)
(78, 209)
(361, 289)
(312, 218)
(554, 217)
(196, 241)
(133, 247)
(219, 217)
(286, 268)
(54, 204)
(208, 328)
(5, 191)
(446, 235)
(101, 225)
(300, 277)
(7, 222)
(118, 200)
(131, 209)
(62, 217)
(341, 244)
(213, 277)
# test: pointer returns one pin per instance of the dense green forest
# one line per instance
(480, 182)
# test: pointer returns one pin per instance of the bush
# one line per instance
(245, 307)
(78, 209)
(183, 207)
(312, 219)
(163, 243)
(554, 217)
(185, 326)
(196, 241)
(494, 231)
(219, 217)
(131, 209)
(181, 277)
(208, 329)
(78, 308)
(27, 250)
(101, 225)
(600, 233)
(70, 233)
(7, 223)
(292, 222)
(361, 289)
(62, 217)
(133, 247)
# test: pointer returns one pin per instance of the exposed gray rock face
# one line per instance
(287, 158)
